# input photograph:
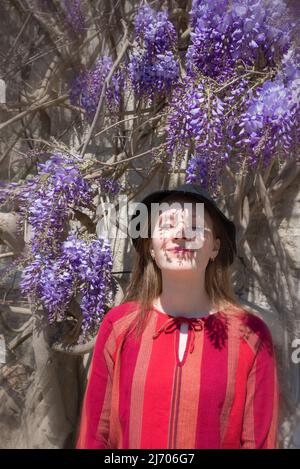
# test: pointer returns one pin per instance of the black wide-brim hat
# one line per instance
(199, 193)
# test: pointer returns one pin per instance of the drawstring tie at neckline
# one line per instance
(194, 324)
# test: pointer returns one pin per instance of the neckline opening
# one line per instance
(187, 317)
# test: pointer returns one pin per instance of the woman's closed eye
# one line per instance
(166, 226)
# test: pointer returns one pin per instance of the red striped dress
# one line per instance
(223, 393)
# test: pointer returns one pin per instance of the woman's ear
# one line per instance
(151, 251)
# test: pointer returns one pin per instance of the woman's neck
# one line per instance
(177, 311)
(188, 298)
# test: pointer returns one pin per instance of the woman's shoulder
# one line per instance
(251, 326)
(120, 312)
(247, 315)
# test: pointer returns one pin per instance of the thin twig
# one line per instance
(252, 72)
(98, 173)
(9, 53)
(42, 105)
(115, 124)
(7, 254)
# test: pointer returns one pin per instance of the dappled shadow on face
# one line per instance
(183, 232)
(178, 249)
(179, 257)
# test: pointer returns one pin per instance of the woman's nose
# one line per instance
(182, 231)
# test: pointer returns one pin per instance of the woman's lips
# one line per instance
(180, 250)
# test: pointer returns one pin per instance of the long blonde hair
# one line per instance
(146, 280)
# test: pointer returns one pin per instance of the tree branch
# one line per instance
(105, 84)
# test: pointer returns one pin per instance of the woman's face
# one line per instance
(174, 245)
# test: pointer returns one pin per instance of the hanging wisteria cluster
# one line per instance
(47, 202)
(70, 10)
(244, 31)
(153, 67)
(269, 124)
(86, 88)
(61, 266)
(109, 185)
(74, 15)
(197, 115)
(82, 270)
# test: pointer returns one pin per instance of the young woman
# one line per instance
(181, 363)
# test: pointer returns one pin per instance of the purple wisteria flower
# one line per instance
(149, 76)
(113, 93)
(229, 99)
(204, 168)
(271, 121)
(108, 185)
(61, 267)
(82, 269)
(86, 87)
(196, 117)
(47, 200)
(226, 32)
(153, 66)
(154, 30)
(74, 15)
